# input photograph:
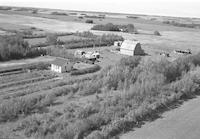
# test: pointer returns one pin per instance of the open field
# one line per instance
(169, 41)
(49, 25)
(124, 92)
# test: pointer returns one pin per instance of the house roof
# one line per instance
(129, 44)
(60, 61)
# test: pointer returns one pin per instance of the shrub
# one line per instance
(96, 135)
(80, 17)
(127, 28)
(94, 16)
(89, 21)
(187, 25)
(106, 27)
(86, 70)
(86, 34)
(35, 11)
(38, 66)
(59, 13)
(157, 33)
(5, 8)
(111, 27)
(91, 40)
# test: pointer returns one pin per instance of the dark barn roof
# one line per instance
(60, 61)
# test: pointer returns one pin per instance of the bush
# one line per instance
(157, 33)
(85, 34)
(80, 17)
(106, 27)
(96, 135)
(5, 8)
(187, 25)
(111, 27)
(92, 40)
(85, 71)
(35, 11)
(59, 13)
(89, 21)
(94, 16)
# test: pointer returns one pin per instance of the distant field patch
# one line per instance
(50, 25)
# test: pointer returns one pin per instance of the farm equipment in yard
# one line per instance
(92, 55)
(89, 57)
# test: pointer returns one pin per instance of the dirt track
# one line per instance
(26, 61)
(180, 123)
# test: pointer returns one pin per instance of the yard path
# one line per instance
(26, 61)
(180, 123)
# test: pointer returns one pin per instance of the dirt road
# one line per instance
(180, 123)
(26, 61)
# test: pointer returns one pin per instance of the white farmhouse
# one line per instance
(61, 65)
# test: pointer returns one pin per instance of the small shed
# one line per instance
(117, 43)
(131, 48)
(61, 65)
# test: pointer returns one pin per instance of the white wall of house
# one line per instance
(56, 68)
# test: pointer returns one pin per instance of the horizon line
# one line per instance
(106, 12)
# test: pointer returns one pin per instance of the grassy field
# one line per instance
(50, 25)
(41, 104)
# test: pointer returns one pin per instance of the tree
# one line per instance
(157, 33)
(89, 21)
(130, 28)
(14, 47)
(35, 11)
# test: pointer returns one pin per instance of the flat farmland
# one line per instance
(50, 25)
(167, 42)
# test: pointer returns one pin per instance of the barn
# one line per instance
(131, 48)
(61, 65)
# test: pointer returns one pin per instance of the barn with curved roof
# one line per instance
(131, 48)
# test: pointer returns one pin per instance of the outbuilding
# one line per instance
(117, 43)
(61, 65)
(131, 48)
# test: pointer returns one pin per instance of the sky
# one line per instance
(182, 8)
